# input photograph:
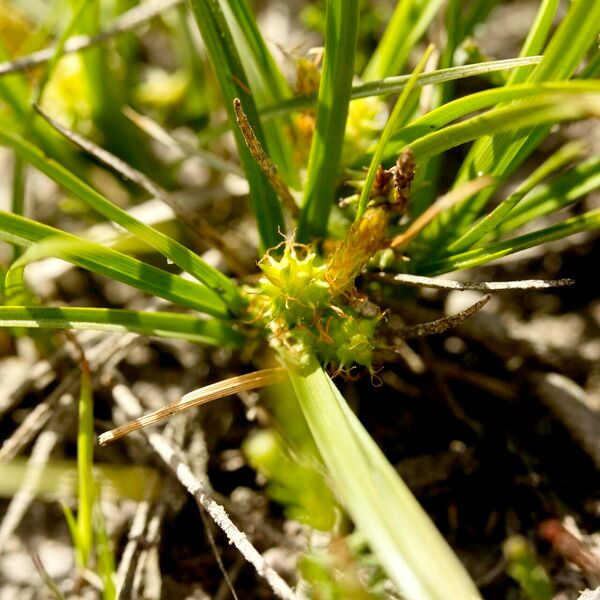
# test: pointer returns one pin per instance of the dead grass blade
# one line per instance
(174, 459)
(227, 387)
(446, 202)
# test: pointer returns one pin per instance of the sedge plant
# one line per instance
(300, 320)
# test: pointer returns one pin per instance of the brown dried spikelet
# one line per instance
(381, 185)
(404, 174)
(363, 239)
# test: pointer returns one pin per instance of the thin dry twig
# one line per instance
(199, 226)
(217, 555)
(264, 162)
(35, 421)
(142, 540)
(40, 455)
(45, 576)
(173, 458)
(227, 387)
(37, 377)
(443, 324)
(570, 547)
(480, 286)
(110, 347)
(132, 19)
(441, 204)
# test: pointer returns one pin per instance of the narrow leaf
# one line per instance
(211, 332)
(406, 26)
(552, 109)
(480, 256)
(221, 287)
(341, 33)
(554, 195)
(113, 264)
(406, 542)
(234, 83)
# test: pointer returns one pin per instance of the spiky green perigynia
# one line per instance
(305, 314)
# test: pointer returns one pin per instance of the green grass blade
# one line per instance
(554, 195)
(73, 530)
(113, 264)
(85, 465)
(592, 69)
(500, 155)
(426, 183)
(457, 109)
(234, 84)
(568, 46)
(536, 38)
(266, 81)
(222, 288)
(105, 556)
(341, 33)
(406, 26)
(551, 109)
(407, 544)
(480, 256)
(212, 332)
(398, 116)
(492, 221)
(389, 85)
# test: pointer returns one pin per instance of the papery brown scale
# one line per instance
(404, 174)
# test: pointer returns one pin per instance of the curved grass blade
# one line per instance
(480, 256)
(457, 109)
(211, 332)
(413, 553)
(341, 34)
(536, 38)
(399, 114)
(500, 155)
(389, 85)
(551, 109)
(567, 154)
(220, 286)
(233, 83)
(406, 26)
(113, 264)
(393, 85)
(86, 491)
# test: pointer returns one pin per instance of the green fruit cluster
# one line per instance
(305, 316)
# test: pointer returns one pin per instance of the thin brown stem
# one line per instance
(264, 162)
(227, 387)
(445, 323)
